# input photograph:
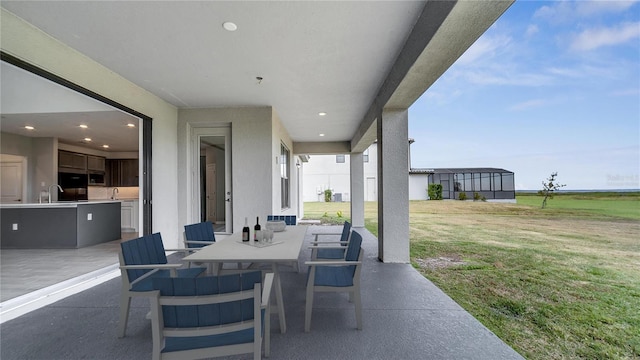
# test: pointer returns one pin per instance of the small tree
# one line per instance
(327, 195)
(435, 191)
(549, 187)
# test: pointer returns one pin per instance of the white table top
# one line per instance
(286, 248)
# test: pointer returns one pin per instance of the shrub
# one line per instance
(462, 196)
(476, 196)
(327, 195)
(435, 191)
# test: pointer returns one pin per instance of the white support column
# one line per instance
(357, 189)
(393, 186)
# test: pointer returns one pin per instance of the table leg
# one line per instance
(280, 304)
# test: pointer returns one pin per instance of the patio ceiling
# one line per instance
(349, 59)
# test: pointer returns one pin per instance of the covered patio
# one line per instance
(405, 317)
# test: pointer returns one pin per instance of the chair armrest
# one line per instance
(313, 243)
(151, 266)
(332, 263)
(327, 247)
(316, 235)
(184, 250)
(199, 242)
(266, 290)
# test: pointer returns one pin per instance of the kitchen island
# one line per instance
(59, 225)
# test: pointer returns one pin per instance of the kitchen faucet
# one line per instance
(114, 192)
(52, 185)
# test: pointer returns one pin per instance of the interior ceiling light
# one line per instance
(322, 113)
(29, 127)
(87, 139)
(131, 125)
(229, 26)
(105, 146)
(83, 126)
(321, 134)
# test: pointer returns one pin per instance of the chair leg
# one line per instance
(125, 302)
(358, 303)
(309, 305)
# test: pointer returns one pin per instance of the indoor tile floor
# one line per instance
(26, 270)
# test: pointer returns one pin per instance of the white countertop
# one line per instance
(62, 204)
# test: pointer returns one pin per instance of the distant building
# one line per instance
(490, 183)
(332, 172)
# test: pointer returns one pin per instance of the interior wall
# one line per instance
(45, 156)
(32, 45)
(18, 145)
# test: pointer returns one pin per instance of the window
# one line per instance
(507, 182)
(458, 180)
(365, 156)
(485, 181)
(340, 159)
(497, 182)
(284, 177)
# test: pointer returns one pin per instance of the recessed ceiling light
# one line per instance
(83, 126)
(131, 125)
(229, 26)
(105, 146)
(29, 127)
(87, 139)
(321, 134)
(322, 113)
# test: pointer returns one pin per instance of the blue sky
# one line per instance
(551, 86)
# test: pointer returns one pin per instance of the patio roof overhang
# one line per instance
(348, 59)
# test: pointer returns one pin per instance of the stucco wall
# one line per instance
(28, 43)
(252, 163)
(418, 185)
(323, 172)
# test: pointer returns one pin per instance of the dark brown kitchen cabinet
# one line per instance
(95, 163)
(72, 160)
(122, 172)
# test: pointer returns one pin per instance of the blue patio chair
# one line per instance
(199, 235)
(142, 260)
(211, 316)
(288, 219)
(337, 276)
(331, 249)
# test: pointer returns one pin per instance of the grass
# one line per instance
(554, 283)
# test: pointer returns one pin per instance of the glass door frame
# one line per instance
(194, 206)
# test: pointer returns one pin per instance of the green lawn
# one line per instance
(625, 205)
(554, 283)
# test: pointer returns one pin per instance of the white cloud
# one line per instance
(535, 103)
(589, 8)
(626, 92)
(566, 11)
(591, 39)
(532, 30)
(484, 47)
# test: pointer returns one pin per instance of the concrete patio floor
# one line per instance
(404, 317)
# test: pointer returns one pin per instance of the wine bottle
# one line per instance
(256, 229)
(245, 231)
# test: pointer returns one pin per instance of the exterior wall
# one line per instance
(322, 172)
(281, 136)
(28, 43)
(256, 135)
(418, 186)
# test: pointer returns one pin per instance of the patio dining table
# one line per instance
(284, 248)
